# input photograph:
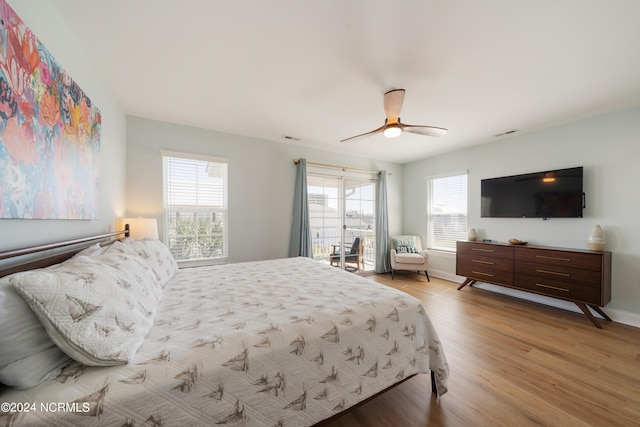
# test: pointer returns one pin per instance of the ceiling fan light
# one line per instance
(392, 131)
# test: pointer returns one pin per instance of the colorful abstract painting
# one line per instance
(49, 132)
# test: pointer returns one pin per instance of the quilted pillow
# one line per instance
(121, 256)
(92, 251)
(27, 354)
(405, 245)
(157, 256)
(99, 309)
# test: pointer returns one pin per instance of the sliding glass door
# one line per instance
(342, 216)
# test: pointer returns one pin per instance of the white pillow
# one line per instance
(27, 354)
(121, 256)
(32, 370)
(92, 251)
(157, 255)
(97, 309)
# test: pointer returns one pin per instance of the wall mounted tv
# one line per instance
(548, 194)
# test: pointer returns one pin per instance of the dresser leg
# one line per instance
(587, 313)
(600, 312)
(467, 282)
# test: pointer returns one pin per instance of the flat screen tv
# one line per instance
(548, 194)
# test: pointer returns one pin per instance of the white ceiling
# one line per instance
(317, 70)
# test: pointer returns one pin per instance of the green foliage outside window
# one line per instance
(195, 237)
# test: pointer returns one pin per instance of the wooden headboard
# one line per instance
(54, 257)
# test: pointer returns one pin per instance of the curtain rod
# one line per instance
(343, 168)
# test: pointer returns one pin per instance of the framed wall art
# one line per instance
(49, 132)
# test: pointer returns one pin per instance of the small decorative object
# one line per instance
(472, 235)
(517, 242)
(597, 239)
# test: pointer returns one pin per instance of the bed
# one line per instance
(286, 342)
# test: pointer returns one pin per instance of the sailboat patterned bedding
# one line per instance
(286, 342)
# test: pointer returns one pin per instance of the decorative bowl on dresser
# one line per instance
(580, 276)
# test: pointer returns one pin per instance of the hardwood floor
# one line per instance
(513, 363)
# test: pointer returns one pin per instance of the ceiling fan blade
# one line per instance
(373, 132)
(424, 130)
(393, 104)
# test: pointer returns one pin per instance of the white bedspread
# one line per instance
(286, 342)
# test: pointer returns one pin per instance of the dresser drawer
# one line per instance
(484, 249)
(480, 261)
(560, 273)
(582, 260)
(557, 288)
(485, 273)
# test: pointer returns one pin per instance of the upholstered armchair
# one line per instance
(407, 254)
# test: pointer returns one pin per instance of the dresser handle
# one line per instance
(483, 274)
(553, 272)
(553, 257)
(482, 262)
(482, 250)
(552, 287)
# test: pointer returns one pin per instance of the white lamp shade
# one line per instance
(141, 228)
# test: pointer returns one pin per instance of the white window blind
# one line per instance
(447, 211)
(195, 206)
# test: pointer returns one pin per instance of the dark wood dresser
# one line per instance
(580, 276)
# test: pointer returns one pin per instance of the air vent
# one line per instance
(290, 138)
(509, 132)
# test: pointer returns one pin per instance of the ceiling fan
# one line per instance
(392, 126)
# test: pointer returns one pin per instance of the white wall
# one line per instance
(262, 173)
(46, 23)
(261, 181)
(607, 147)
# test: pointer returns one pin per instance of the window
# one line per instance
(447, 210)
(195, 206)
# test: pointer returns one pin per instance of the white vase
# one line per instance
(597, 239)
(472, 235)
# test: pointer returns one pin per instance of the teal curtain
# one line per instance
(383, 254)
(300, 243)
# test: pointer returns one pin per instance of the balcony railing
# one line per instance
(324, 242)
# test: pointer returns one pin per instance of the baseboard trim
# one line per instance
(623, 316)
(446, 276)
